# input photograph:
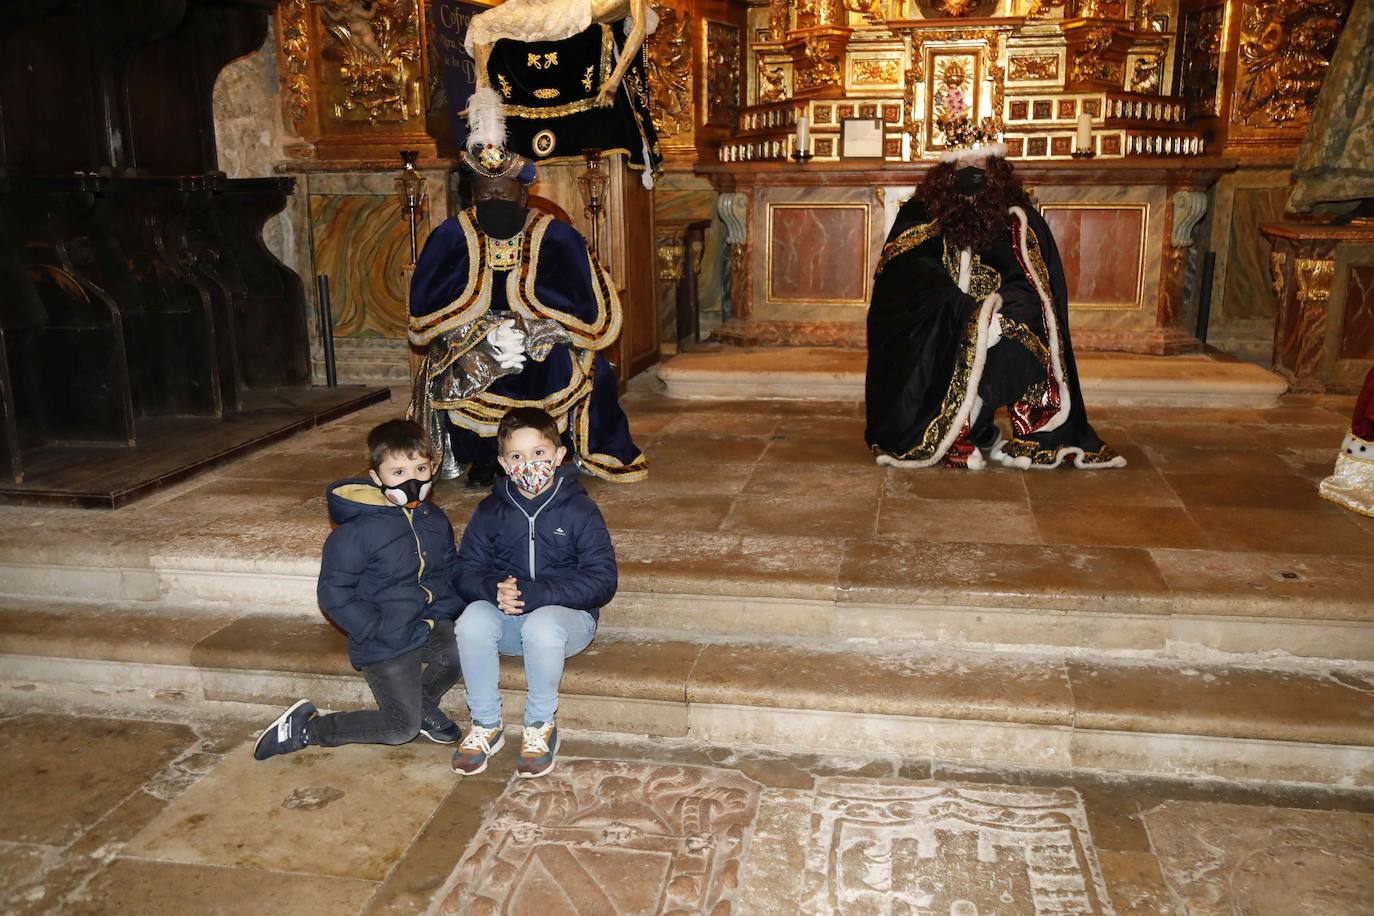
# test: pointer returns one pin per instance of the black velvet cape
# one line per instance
(941, 361)
(549, 90)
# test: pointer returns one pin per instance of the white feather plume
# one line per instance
(486, 119)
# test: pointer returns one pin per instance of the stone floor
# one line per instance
(125, 803)
(1217, 514)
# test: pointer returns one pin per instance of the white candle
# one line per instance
(1084, 142)
(803, 135)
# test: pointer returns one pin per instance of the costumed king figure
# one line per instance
(1352, 483)
(970, 314)
(513, 311)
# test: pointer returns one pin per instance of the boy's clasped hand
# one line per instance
(508, 597)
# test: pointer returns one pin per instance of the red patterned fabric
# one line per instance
(1362, 424)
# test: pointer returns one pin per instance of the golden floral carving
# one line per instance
(295, 45)
(377, 45)
(1034, 68)
(869, 72)
(1285, 50)
(670, 73)
(722, 66)
(670, 253)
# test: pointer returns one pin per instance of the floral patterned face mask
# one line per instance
(532, 476)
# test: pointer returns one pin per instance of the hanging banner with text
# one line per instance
(449, 22)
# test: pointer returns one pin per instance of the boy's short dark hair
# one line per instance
(397, 437)
(527, 418)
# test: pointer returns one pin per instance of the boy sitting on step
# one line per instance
(535, 566)
(386, 579)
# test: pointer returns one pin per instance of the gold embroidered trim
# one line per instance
(1022, 334)
(597, 334)
(1024, 448)
(473, 301)
(954, 395)
(607, 467)
(983, 280)
(911, 238)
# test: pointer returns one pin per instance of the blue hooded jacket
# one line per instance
(385, 571)
(555, 545)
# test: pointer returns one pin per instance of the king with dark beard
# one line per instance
(969, 315)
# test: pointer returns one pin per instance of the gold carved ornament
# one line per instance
(1034, 68)
(379, 43)
(670, 254)
(669, 72)
(295, 44)
(722, 67)
(871, 72)
(991, 50)
(1088, 63)
(819, 66)
(1277, 261)
(772, 84)
(1314, 278)
(1285, 50)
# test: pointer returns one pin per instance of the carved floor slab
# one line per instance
(604, 837)
(1239, 860)
(949, 849)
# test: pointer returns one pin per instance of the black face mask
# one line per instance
(970, 180)
(500, 219)
(409, 493)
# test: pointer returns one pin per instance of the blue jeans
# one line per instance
(544, 636)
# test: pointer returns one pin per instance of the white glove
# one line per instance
(508, 345)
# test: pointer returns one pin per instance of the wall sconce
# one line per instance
(593, 187)
(410, 188)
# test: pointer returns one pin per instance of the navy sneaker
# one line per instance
(439, 728)
(287, 732)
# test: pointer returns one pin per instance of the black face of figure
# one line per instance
(970, 180)
(500, 206)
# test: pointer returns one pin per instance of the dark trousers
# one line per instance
(405, 687)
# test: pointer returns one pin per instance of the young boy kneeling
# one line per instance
(386, 579)
(535, 564)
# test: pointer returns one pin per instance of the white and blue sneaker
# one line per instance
(287, 733)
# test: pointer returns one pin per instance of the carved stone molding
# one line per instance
(1189, 208)
(733, 208)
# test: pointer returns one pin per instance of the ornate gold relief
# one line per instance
(376, 49)
(779, 18)
(670, 73)
(1285, 49)
(1201, 47)
(1314, 279)
(722, 65)
(295, 45)
(1277, 261)
(819, 66)
(875, 72)
(1038, 8)
(670, 253)
(1088, 63)
(772, 84)
(1022, 69)
(1146, 73)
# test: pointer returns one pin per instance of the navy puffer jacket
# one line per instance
(555, 545)
(385, 571)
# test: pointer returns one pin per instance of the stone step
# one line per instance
(1108, 379)
(1104, 601)
(1022, 709)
